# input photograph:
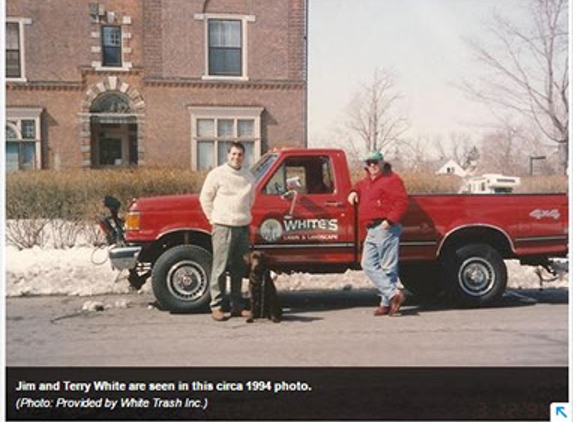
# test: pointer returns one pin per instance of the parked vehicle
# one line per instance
(450, 243)
(490, 183)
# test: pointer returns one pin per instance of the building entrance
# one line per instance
(114, 144)
(113, 128)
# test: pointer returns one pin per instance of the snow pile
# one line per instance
(38, 271)
(72, 271)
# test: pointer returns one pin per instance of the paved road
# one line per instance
(326, 328)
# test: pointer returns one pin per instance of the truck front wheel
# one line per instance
(180, 278)
(475, 274)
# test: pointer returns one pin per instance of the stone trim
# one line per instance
(194, 83)
(111, 18)
(46, 86)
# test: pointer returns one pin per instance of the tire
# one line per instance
(180, 279)
(423, 280)
(475, 275)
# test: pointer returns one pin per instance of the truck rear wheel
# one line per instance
(181, 277)
(424, 280)
(475, 274)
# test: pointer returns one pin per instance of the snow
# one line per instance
(85, 271)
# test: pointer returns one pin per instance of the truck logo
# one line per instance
(271, 230)
(539, 214)
(312, 224)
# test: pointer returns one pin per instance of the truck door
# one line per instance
(301, 218)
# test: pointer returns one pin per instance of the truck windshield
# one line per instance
(261, 166)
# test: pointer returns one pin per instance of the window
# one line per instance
(111, 46)
(13, 68)
(15, 63)
(28, 129)
(226, 45)
(261, 167)
(308, 175)
(215, 128)
(225, 52)
(214, 144)
(22, 145)
(111, 103)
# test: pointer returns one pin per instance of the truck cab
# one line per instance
(301, 211)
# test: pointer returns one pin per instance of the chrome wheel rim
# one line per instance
(476, 277)
(187, 281)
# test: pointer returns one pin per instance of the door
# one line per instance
(300, 218)
(110, 152)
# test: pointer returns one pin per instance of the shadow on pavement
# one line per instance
(297, 302)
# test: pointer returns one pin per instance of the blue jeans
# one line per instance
(380, 260)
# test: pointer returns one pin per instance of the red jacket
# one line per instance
(383, 197)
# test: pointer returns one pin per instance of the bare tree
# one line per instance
(526, 69)
(372, 113)
(414, 154)
(508, 150)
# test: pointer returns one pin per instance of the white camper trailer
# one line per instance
(490, 183)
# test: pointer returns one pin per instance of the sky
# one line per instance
(422, 41)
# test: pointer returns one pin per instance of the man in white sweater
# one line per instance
(226, 199)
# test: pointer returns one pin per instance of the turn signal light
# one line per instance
(132, 221)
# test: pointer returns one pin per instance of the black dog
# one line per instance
(264, 300)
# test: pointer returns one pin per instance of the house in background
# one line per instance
(120, 83)
(449, 166)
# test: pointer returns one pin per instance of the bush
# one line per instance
(543, 184)
(58, 207)
(423, 183)
(77, 195)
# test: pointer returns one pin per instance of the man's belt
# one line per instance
(374, 223)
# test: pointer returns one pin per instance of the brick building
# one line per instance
(152, 82)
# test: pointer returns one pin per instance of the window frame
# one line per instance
(21, 41)
(212, 48)
(224, 113)
(14, 119)
(245, 20)
(103, 48)
(300, 166)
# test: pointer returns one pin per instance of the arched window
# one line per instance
(111, 103)
(12, 132)
(20, 152)
(113, 121)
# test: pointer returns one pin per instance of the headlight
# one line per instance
(132, 221)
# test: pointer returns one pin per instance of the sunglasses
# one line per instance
(371, 162)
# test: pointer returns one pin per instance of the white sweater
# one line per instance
(228, 195)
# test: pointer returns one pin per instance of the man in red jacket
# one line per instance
(382, 201)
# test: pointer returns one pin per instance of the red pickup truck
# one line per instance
(450, 243)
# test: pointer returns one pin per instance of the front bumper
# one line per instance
(124, 257)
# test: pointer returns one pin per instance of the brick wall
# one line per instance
(153, 38)
(297, 39)
(167, 50)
